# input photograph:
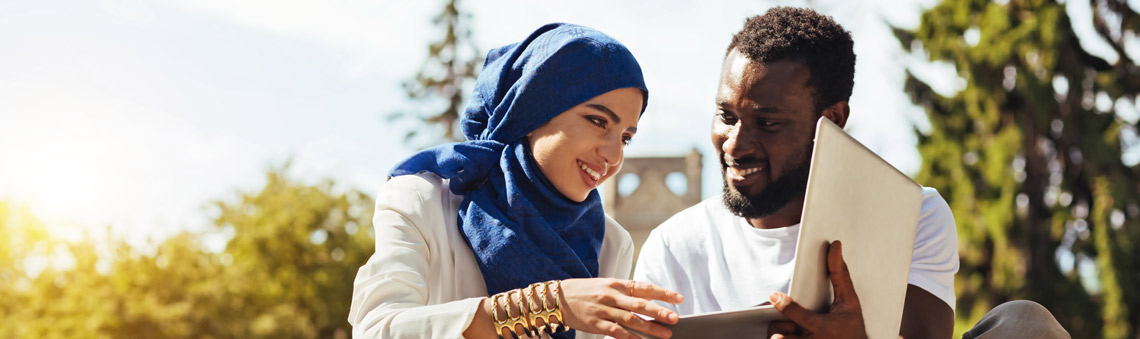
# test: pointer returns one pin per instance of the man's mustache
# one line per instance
(742, 162)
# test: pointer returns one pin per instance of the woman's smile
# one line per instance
(589, 175)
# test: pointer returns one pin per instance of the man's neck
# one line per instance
(787, 216)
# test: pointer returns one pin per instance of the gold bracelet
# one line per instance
(522, 319)
(512, 320)
(499, 324)
(535, 308)
(529, 309)
(548, 311)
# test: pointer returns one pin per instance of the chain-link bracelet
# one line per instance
(553, 308)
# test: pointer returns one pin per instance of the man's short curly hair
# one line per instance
(786, 33)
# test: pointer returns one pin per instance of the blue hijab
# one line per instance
(522, 229)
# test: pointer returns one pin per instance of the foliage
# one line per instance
(296, 249)
(1029, 156)
(442, 80)
(286, 272)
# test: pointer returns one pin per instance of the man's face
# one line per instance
(763, 132)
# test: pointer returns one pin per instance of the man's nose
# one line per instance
(739, 142)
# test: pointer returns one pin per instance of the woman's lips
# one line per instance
(589, 175)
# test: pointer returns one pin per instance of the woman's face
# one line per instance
(580, 148)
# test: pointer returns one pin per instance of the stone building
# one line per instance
(651, 201)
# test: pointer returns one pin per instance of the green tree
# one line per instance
(103, 288)
(23, 237)
(440, 85)
(1029, 156)
(293, 257)
(287, 271)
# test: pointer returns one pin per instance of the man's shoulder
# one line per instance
(931, 195)
(934, 207)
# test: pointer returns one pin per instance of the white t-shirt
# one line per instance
(718, 261)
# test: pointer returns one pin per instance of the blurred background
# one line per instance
(203, 168)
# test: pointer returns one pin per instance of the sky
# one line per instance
(137, 114)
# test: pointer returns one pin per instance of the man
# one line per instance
(782, 72)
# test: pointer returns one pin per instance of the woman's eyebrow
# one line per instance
(606, 110)
(611, 114)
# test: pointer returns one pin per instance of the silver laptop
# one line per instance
(855, 197)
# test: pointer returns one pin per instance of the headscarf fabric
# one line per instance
(523, 230)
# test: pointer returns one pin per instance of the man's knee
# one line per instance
(1018, 318)
(1027, 308)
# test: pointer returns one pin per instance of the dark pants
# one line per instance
(1017, 319)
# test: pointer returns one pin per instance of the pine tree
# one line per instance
(440, 83)
(1029, 156)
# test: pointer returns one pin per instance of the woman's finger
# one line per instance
(646, 290)
(646, 307)
(635, 322)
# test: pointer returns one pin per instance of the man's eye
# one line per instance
(767, 123)
(727, 118)
(626, 139)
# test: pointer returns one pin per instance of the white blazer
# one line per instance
(423, 281)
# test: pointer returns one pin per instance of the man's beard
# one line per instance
(789, 186)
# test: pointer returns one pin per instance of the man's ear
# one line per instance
(838, 113)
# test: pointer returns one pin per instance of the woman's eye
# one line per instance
(626, 139)
(597, 121)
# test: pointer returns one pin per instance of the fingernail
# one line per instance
(775, 298)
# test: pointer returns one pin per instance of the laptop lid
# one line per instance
(858, 198)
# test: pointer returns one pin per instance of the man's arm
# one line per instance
(927, 311)
(925, 315)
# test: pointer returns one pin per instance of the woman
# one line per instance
(512, 213)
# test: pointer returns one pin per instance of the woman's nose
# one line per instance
(611, 152)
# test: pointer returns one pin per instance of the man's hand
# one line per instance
(843, 320)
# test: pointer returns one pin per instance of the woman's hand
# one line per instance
(604, 305)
